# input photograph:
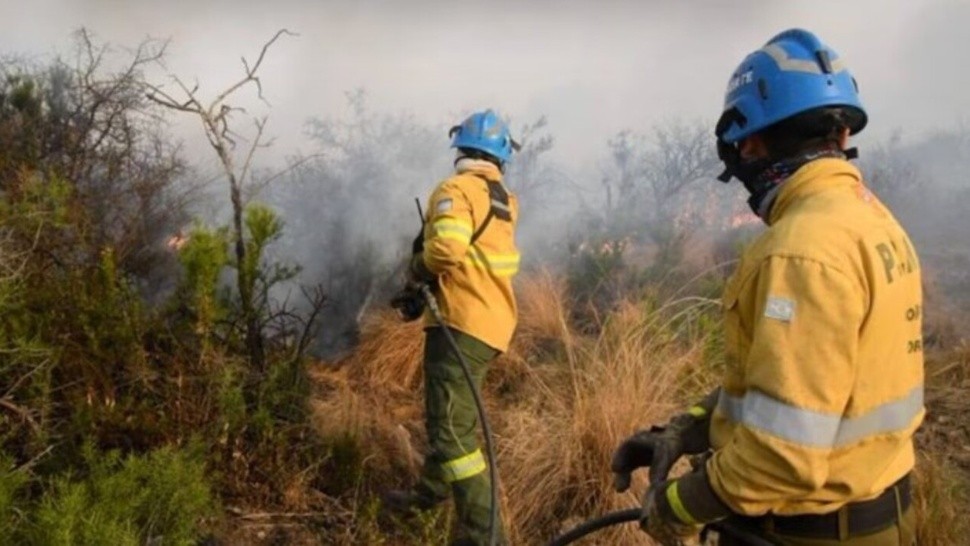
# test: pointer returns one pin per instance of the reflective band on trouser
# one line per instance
(464, 467)
(673, 497)
(763, 412)
(457, 230)
(697, 411)
(501, 265)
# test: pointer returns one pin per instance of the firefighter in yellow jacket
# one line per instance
(811, 431)
(467, 253)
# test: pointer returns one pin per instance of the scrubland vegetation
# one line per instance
(136, 407)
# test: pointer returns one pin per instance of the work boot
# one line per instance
(404, 501)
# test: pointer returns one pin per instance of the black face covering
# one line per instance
(763, 177)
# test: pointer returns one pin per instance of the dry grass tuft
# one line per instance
(941, 500)
(561, 401)
(389, 354)
(370, 401)
(557, 445)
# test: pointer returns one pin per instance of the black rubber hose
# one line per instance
(633, 514)
(595, 524)
(486, 430)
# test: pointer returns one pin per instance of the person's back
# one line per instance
(466, 256)
(828, 325)
(811, 431)
(476, 295)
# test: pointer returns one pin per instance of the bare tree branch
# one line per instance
(24, 413)
(260, 126)
(215, 120)
(255, 189)
(251, 72)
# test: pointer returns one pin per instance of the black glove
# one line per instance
(417, 246)
(419, 273)
(409, 302)
(660, 447)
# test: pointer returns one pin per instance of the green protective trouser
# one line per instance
(456, 465)
(901, 533)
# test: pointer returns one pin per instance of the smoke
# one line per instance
(592, 68)
(350, 204)
(572, 76)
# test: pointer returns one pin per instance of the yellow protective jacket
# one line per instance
(475, 280)
(824, 382)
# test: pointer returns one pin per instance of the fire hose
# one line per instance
(635, 514)
(584, 529)
(493, 523)
(408, 308)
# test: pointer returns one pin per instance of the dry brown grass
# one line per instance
(561, 401)
(372, 399)
(943, 468)
(556, 446)
(941, 500)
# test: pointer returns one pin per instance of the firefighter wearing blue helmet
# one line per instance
(466, 253)
(810, 434)
(793, 90)
(485, 133)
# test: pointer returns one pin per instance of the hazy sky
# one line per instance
(592, 67)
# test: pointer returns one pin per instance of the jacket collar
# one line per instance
(812, 178)
(478, 167)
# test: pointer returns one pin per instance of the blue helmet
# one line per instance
(486, 132)
(793, 73)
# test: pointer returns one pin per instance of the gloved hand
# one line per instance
(675, 511)
(659, 521)
(409, 302)
(657, 448)
(660, 447)
(418, 272)
(417, 246)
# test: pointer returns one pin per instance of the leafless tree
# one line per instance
(350, 210)
(527, 174)
(682, 156)
(215, 117)
(662, 181)
(85, 120)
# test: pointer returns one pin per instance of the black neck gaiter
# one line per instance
(764, 178)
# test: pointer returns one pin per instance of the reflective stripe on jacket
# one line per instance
(475, 281)
(824, 382)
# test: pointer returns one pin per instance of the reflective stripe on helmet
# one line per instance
(790, 64)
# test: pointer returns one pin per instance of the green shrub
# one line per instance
(161, 496)
(12, 483)
(203, 256)
(70, 517)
